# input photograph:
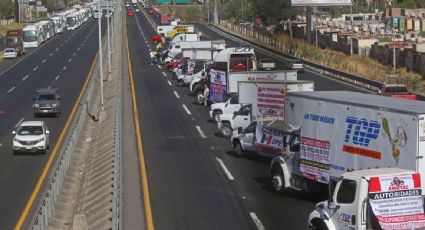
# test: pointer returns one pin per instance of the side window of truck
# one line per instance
(347, 192)
(251, 128)
(234, 100)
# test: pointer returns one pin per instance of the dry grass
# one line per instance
(14, 25)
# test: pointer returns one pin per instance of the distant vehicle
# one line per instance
(31, 136)
(47, 102)
(14, 39)
(127, 4)
(151, 10)
(266, 64)
(397, 91)
(164, 20)
(32, 36)
(130, 13)
(137, 10)
(295, 65)
(10, 53)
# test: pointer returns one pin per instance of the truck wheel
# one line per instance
(216, 115)
(226, 130)
(318, 224)
(200, 97)
(278, 180)
(237, 148)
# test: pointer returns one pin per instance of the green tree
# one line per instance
(7, 8)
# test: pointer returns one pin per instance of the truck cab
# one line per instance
(230, 106)
(232, 121)
(350, 203)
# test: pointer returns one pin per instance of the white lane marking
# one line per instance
(44, 60)
(25, 78)
(35, 68)
(187, 110)
(49, 87)
(56, 49)
(19, 122)
(177, 95)
(163, 73)
(201, 132)
(74, 54)
(61, 44)
(69, 60)
(257, 221)
(11, 89)
(64, 68)
(50, 54)
(159, 67)
(226, 171)
(82, 44)
(169, 82)
(78, 49)
(57, 77)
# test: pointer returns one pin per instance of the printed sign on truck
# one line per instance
(269, 139)
(217, 86)
(270, 102)
(357, 138)
(396, 201)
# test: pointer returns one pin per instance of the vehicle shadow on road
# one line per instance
(313, 197)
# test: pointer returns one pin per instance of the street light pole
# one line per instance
(100, 55)
(352, 28)
(242, 12)
(394, 60)
(108, 16)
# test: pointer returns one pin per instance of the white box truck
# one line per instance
(176, 48)
(261, 100)
(344, 131)
(232, 65)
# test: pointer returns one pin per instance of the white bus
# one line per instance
(72, 22)
(31, 36)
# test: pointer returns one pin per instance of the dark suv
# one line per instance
(47, 102)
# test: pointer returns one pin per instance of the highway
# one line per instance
(195, 181)
(63, 62)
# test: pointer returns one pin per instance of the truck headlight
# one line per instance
(36, 105)
(54, 105)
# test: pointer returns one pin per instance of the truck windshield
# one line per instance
(11, 40)
(29, 36)
(70, 21)
(241, 62)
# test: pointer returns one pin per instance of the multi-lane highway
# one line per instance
(195, 181)
(63, 62)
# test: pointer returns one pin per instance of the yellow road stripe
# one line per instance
(46, 168)
(144, 177)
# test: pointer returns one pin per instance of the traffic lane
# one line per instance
(22, 88)
(19, 173)
(23, 71)
(251, 177)
(188, 191)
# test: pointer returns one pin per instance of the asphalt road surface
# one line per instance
(195, 180)
(63, 62)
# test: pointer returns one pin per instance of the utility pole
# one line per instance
(100, 55)
(242, 13)
(394, 60)
(352, 28)
(108, 16)
(215, 12)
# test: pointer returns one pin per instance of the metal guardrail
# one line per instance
(61, 166)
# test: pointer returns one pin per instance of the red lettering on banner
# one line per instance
(362, 152)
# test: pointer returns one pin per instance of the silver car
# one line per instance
(47, 102)
(10, 53)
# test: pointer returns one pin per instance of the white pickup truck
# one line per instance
(230, 106)
(385, 198)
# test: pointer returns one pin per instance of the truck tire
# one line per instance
(200, 97)
(216, 115)
(278, 180)
(318, 224)
(226, 130)
(237, 148)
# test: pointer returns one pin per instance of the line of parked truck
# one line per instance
(33, 35)
(366, 150)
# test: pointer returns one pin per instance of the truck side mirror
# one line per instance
(332, 205)
(239, 130)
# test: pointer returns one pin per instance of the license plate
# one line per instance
(28, 148)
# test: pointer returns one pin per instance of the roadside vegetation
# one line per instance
(13, 25)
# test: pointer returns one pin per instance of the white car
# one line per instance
(31, 136)
(10, 53)
(137, 10)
